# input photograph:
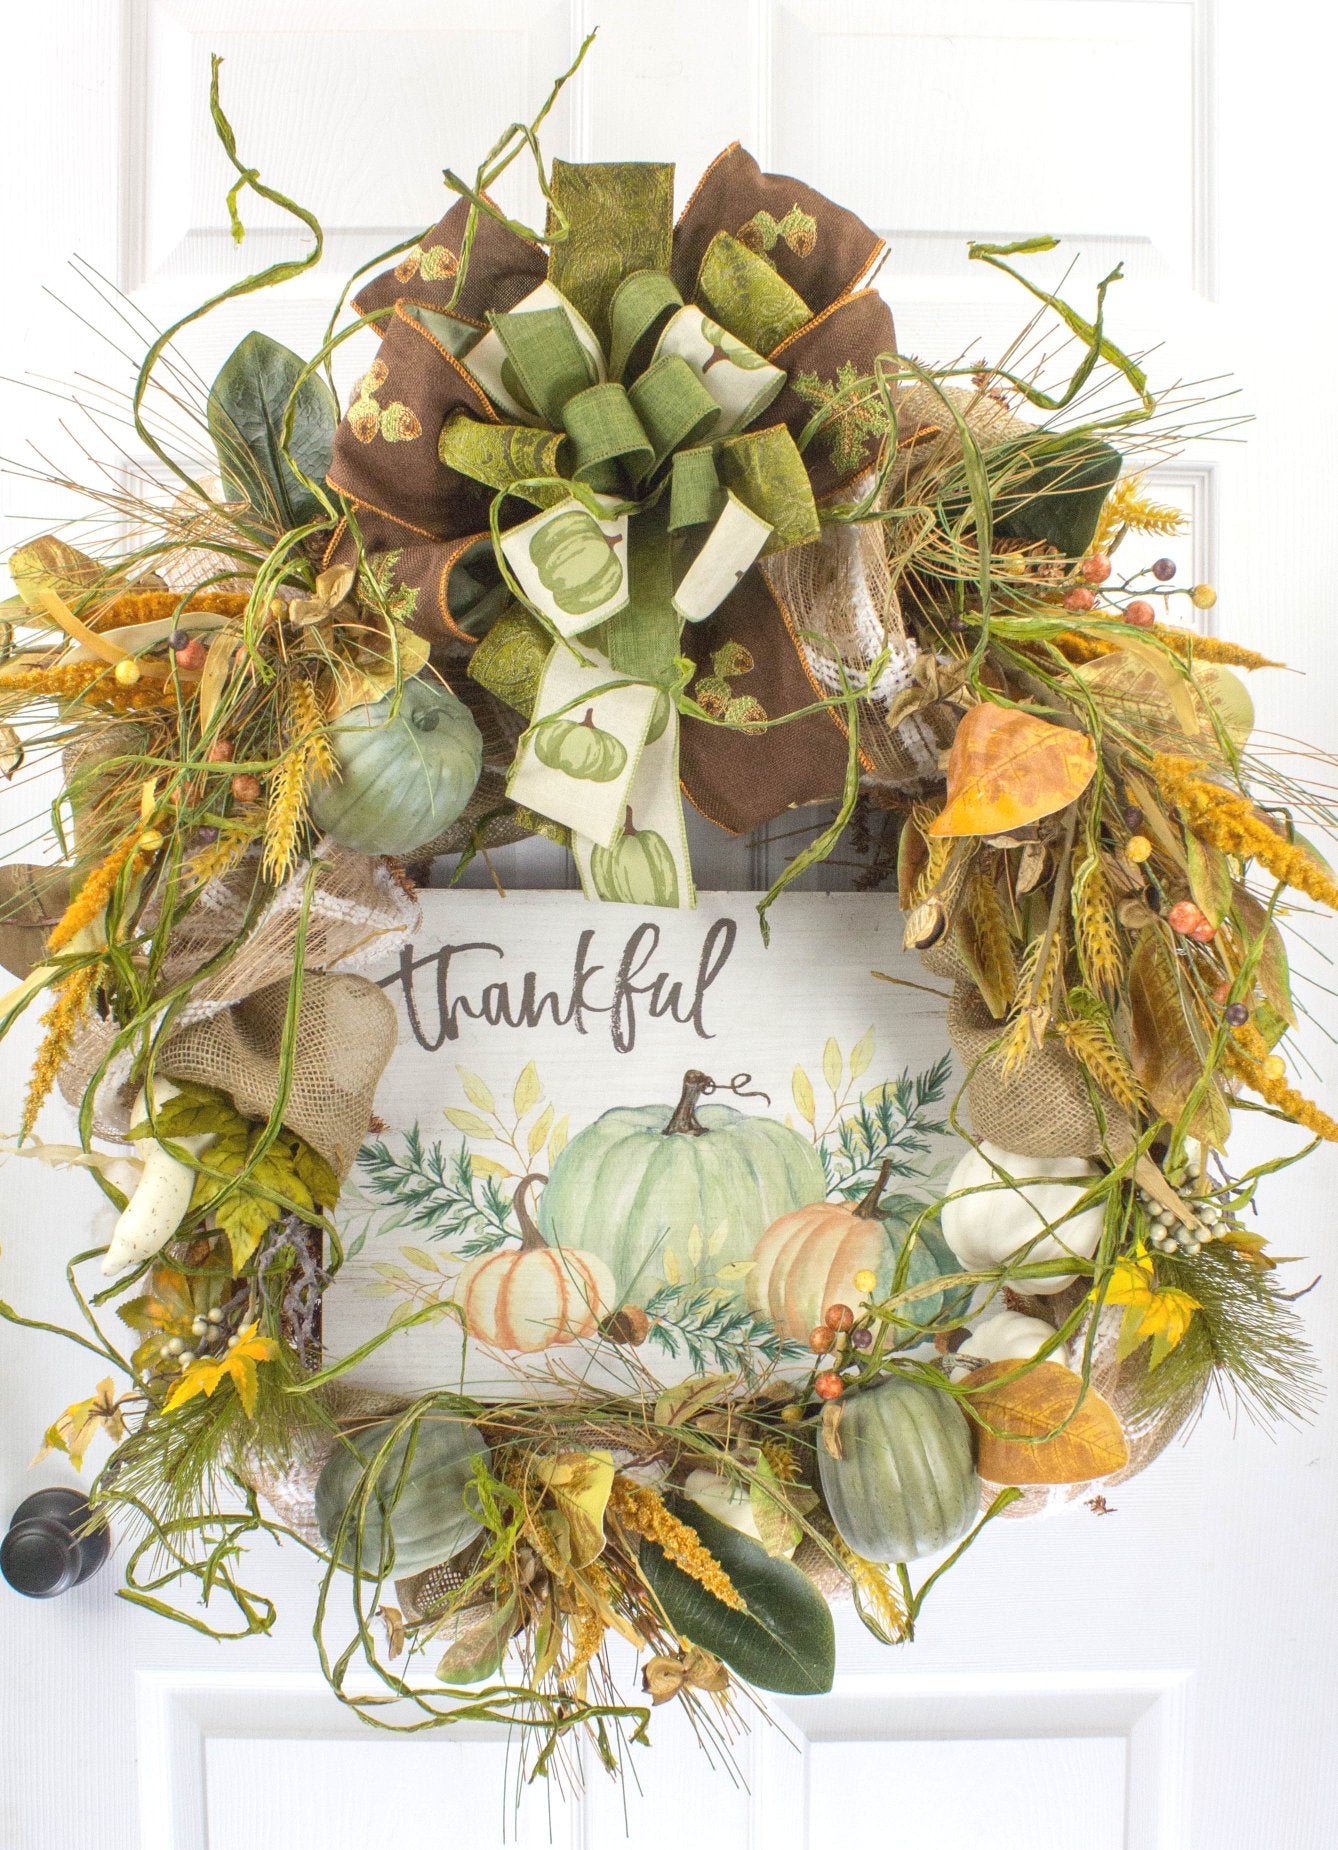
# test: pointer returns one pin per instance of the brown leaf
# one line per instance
(1007, 768)
(1209, 878)
(1014, 1419)
(1272, 974)
(1164, 1048)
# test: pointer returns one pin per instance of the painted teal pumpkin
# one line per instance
(406, 773)
(905, 1484)
(809, 1259)
(428, 1516)
(638, 870)
(576, 561)
(632, 1186)
(580, 749)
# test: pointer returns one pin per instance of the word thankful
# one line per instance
(459, 984)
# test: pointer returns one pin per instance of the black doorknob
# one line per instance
(54, 1542)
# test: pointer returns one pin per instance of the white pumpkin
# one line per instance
(535, 1296)
(1011, 1336)
(729, 1501)
(1000, 1223)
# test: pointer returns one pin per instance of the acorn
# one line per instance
(628, 1325)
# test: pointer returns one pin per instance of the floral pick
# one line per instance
(238, 1365)
(80, 1424)
(1160, 1314)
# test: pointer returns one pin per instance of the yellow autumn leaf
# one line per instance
(539, 1131)
(557, 1138)
(1130, 1281)
(1042, 1427)
(485, 1166)
(526, 1094)
(467, 1121)
(673, 1272)
(75, 1429)
(237, 1365)
(861, 1054)
(476, 1091)
(579, 1484)
(1007, 768)
(694, 1245)
(802, 1088)
(832, 1065)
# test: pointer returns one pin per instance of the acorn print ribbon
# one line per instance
(608, 440)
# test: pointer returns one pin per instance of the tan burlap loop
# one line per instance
(928, 439)
(1042, 1107)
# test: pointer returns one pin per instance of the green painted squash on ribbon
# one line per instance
(576, 561)
(784, 1640)
(578, 748)
(405, 774)
(905, 1484)
(631, 1187)
(429, 1519)
(637, 870)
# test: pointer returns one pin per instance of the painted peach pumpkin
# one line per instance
(534, 1296)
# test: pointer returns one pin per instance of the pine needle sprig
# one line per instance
(439, 1193)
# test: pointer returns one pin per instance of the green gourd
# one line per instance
(637, 870)
(580, 749)
(576, 561)
(905, 1484)
(631, 1186)
(425, 1506)
(406, 771)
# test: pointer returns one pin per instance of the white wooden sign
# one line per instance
(673, 1089)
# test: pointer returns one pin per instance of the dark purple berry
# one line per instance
(1235, 1014)
(178, 640)
(207, 836)
(1133, 816)
(861, 1339)
(1162, 569)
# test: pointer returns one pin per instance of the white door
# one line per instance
(1161, 1676)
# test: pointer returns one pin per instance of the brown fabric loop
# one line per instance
(852, 333)
(503, 268)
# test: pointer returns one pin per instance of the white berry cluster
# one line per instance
(1213, 1218)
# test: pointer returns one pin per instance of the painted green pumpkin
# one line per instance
(638, 870)
(905, 1484)
(632, 1186)
(428, 1516)
(576, 561)
(405, 774)
(580, 749)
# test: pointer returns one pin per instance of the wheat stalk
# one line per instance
(1098, 940)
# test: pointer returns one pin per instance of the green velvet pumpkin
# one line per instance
(576, 561)
(638, 869)
(405, 774)
(580, 749)
(632, 1186)
(429, 1518)
(905, 1484)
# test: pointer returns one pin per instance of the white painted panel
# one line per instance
(912, 112)
(1009, 1795)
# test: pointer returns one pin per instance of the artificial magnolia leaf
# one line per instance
(1059, 502)
(579, 1484)
(1019, 1425)
(248, 403)
(1154, 695)
(1163, 1046)
(1007, 768)
(32, 898)
(677, 1405)
(784, 1640)
(777, 1529)
(49, 564)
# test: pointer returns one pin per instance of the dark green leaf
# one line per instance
(784, 1641)
(247, 406)
(1060, 500)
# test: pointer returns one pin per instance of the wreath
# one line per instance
(625, 511)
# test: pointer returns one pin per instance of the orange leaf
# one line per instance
(1007, 768)
(1020, 1414)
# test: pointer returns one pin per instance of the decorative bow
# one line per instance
(651, 397)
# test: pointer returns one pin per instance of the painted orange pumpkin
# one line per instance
(534, 1296)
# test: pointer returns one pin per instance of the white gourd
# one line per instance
(1000, 1223)
(162, 1195)
(1011, 1336)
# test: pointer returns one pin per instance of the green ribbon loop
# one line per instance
(749, 297)
(501, 455)
(674, 407)
(695, 494)
(767, 473)
(547, 360)
(641, 304)
(604, 431)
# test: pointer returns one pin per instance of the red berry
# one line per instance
(1163, 569)
(1141, 613)
(829, 1386)
(1222, 993)
(1081, 597)
(1235, 1014)
(1184, 916)
(820, 1340)
(839, 1317)
(191, 658)
(1202, 933)
(1096, 568)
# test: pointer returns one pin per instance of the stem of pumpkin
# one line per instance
(868, 1208)
(629, 827)
(589, 719)
(531, 1240)
(684, 1122)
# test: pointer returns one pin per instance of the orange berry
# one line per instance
(1140, 613)
(829, 1386)
(1184, 916)
(1081, 597)
(820, 1340)
(191, 658)
(839, 1317)
(246, 788)
(1202, 933)
(1096, 568)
